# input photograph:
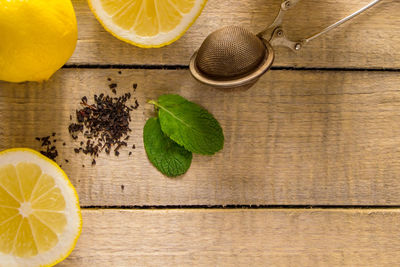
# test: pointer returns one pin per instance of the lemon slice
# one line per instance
(147, 23)
(40, 218)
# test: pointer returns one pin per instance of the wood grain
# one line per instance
(238, 238)
(296, 137)
(369, 41)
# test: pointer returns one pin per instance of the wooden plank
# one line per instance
(370, 41)
(238, 238)
(296, 137)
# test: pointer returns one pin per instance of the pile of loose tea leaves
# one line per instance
(103, 124)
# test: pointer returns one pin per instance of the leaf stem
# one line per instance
(151, 101)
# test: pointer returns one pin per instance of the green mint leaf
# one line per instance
(189, 125)
(167, 156)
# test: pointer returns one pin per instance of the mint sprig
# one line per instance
(182, 127)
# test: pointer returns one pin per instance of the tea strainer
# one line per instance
(233, 56)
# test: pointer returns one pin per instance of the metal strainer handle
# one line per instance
(275, 35)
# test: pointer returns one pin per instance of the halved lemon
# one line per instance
(40, 218)
(147, 23)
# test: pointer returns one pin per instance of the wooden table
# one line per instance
(310, 172)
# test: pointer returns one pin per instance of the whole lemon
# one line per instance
(36, 38)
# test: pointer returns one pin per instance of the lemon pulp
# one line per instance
(148, 18)
(31, 210)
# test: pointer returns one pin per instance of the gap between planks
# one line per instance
(233, 207)
(185, 67)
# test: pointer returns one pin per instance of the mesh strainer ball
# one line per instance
(229, 52)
